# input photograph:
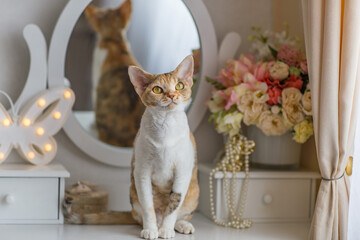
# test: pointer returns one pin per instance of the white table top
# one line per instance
(205, 230)
(263, 173)
(28, 170)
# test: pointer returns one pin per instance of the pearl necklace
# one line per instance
(235, 147)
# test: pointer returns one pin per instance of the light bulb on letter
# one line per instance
(67, 94)
(31, 155)
(48, 147)
(41, 102)
(6, 122)
(57, 115)
(26, 122)
(40, 131)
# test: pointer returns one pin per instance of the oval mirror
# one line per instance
(159, 35)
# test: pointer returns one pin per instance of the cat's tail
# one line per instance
(103, 218)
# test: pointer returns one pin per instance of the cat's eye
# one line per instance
(179, 86)
(157, 90)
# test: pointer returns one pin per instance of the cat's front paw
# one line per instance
(184, 227)
(166, 232)
(149, 233)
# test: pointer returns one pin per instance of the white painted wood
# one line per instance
(87, 121)
(30, 221)
(60, 199)
(263, 173)
(40, 127)
(98, 150)
(313, 196)
(32, 194)
(209, 56)
(290, 200)
(36, 80)
(27, 170)
(273, 196)
(32, 198)
(228, 48)
(205, 230)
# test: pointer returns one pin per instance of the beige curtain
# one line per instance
(332, 38)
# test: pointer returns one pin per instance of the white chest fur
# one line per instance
(164, 144)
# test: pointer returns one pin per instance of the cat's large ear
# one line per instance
(92, 14)
(125, 9)
(140, 79)
(185, 70)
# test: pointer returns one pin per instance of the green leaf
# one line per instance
(294, 70)
(211, 117)
(215, 83)
(273, 51)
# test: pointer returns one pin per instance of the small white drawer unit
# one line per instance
(31, 194)
(273, 196)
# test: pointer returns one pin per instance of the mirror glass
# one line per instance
(159, 34)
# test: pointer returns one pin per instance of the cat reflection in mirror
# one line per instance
(118, 108)
(164, 187)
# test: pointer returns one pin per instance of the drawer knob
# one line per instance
(9, 199)
(267, 199)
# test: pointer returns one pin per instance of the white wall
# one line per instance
(228, 15)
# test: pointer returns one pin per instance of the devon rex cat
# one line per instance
(164, 191)
(164, 188)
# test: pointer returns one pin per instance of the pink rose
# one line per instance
(274, 95)
(289, 55)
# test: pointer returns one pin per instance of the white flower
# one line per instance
(283, 39)
(279, 71)
(261, 50)
(245, 101)
(215, 103)
(275, 109)
(260, 96)
(303, 131)
(291, 106)
(230, 123)
(252, 114)
(306, 103)
(272, 124)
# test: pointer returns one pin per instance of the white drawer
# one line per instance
(272, 199)
(29, 198)
(273, 196)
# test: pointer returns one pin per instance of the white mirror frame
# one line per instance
(111, 155)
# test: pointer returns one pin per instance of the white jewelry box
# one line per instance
(31, 194)
(273, 196)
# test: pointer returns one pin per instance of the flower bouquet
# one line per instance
(268, 89)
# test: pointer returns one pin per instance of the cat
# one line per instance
(164, 189)
(118, 108)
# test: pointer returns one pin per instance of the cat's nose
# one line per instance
(171, 96)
